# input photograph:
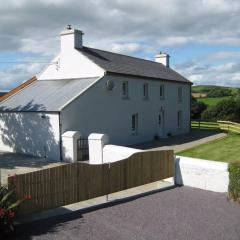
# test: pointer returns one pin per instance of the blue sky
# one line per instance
(201, 36)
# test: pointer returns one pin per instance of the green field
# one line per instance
(212, 101)
(224, 150)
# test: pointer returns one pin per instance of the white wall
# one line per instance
(30, 133)
(71, 64)
(114, 153)
(203, 174)
(101, 111)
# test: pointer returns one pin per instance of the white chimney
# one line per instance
(71, 38)
(163, 58)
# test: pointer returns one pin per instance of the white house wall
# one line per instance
(31, 133)
(71, 64)
(101, 111)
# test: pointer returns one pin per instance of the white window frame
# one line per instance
(125, 90)
(134, 123)
(179, 119)
(180, 94)
(145, 91)
(162, 90)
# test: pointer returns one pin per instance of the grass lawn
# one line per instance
(224, 150)
(211, 101)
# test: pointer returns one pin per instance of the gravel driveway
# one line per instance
(181, 213)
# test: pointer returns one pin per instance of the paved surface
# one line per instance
(181, 213)
(15, 163)
(182, 142)
(118, 196)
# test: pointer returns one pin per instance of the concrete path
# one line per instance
(182, 142)
(181, 213)
(16, 163)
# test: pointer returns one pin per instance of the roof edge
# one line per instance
(17, 89)
(84, 90)
(152, 78)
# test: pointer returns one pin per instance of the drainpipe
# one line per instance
(60, 135)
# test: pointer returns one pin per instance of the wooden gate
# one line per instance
(71, 183)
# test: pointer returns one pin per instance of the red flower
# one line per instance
(2, 212)
(28, 197)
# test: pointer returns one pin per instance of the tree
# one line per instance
(228, 110)
(197, 108)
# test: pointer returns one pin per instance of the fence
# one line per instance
(66, 184)
(219, 125)
(202, 124)
(229, 126)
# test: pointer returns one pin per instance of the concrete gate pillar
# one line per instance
(69, 146)
(96, 143)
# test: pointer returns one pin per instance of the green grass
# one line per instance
(223, 150)
(212, 101)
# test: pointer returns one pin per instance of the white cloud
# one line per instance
(123, 26)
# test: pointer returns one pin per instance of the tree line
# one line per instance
(226, 110)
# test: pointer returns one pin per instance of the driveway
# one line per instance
(182, 142)
(180, 213)
(16, 163)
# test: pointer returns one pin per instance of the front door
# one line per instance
(161, 120)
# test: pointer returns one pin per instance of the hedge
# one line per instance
(234, 181)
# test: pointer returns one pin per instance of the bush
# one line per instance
(8, 208)
(234, 181)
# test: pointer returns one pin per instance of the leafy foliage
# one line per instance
(228, 110)
(234, 181)
(197, 108)
(8, 208)
(219, 92)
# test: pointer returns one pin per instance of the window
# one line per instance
(162, 92)
(179, 119)
(134, 123)
(125, 89)
(179, 94)
(145, 90)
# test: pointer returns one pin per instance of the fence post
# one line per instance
(198, 124)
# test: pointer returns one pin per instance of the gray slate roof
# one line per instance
(45, 95)
(122, 64)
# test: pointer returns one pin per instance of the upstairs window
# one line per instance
(179, 94)
(162, 92)
(134, 123)
(179, 119)
(145, 90)
(125, 89)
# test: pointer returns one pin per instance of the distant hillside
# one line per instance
(208, 88)
(211, 95)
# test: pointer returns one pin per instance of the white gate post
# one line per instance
(96, 143)
(69, 146)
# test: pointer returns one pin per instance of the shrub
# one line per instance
(8, 208)
(234, 181)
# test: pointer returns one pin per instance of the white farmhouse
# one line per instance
(89, 90)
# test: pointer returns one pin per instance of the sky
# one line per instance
(201, 36)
